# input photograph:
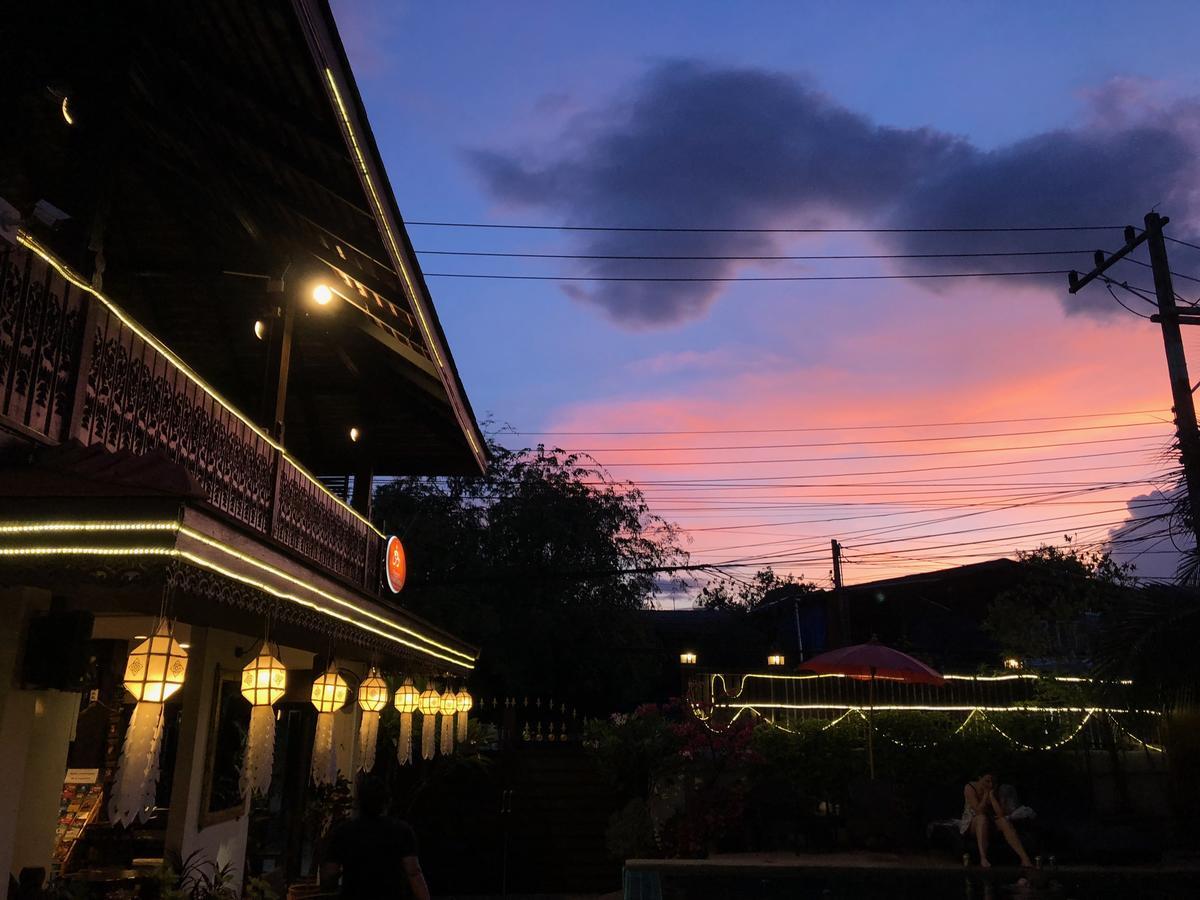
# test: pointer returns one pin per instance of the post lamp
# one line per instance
(687, 662)
(776, 661)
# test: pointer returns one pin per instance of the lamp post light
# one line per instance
(687, 663)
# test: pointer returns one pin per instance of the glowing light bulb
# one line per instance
(66, 112)
(260, 329)
(355, 434)
(322, 294)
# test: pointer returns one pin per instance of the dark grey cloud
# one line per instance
(1154, 546)
(698, 145)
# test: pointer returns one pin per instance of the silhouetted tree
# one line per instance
(744, 595)
(543, 562)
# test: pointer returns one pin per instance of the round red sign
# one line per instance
(396, 565)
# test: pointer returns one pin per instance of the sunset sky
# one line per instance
(815, 403)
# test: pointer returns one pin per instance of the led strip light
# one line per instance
(450, 654)
(718, 676)
(27, 241)
(398, 258)
(1088, 715)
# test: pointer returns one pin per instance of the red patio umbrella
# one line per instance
(870, 661)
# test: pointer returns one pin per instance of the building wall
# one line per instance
(35, 733)
(223, 842)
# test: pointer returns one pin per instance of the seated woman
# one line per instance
(982, 812)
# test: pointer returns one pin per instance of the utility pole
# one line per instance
(840, 600)
(1169, 318)
(279, 357)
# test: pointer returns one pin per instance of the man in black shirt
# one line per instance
(365, 850)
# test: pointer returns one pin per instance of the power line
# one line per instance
(908, 440)
(1175, 240)
(746, 462)
(1098, 415)
(497, 254)
(493, 276)
(735, 230)
(1146, 265)
(938, 468)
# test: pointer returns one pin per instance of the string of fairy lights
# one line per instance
(851, 713)
(727, 706)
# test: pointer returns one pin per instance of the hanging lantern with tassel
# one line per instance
(329, 694)
(449, 708)
(264, 681)
(372, 697)
(406, 701)
(464, 702)
(430, 704)
(154, 671)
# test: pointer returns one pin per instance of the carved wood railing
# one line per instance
(70, 367)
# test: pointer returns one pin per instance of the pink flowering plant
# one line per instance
(686, 783)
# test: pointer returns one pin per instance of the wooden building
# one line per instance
(209, 310)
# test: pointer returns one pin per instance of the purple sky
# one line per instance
(791, 115)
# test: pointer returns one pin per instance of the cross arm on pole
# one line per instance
(1132, 241)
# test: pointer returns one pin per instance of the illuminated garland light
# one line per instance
(261, 585)
(1053, 746)
(30, 243)
(457, 657)
(947, 708)
(250, 560)
(1155, 747)
(1088, 714)
(719, 677)
(43, 527)
(87, 551)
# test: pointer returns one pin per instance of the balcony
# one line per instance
(74, 367)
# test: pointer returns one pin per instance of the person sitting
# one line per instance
(982, 812)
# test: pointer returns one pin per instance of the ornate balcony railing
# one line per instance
(72, 366)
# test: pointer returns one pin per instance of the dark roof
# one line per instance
(229, 137)
(720, 639)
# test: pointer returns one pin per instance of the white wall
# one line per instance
(225, 841)
(36, 728)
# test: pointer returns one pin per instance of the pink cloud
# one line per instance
(990, 353)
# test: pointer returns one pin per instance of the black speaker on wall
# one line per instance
(56, 651)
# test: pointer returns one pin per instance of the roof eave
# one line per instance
(329, 55)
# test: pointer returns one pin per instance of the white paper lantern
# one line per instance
(407, 701)
(329, 693)
(264, 681)
(464, 703)
(154, 671)
(430, 704)
(372, 697)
